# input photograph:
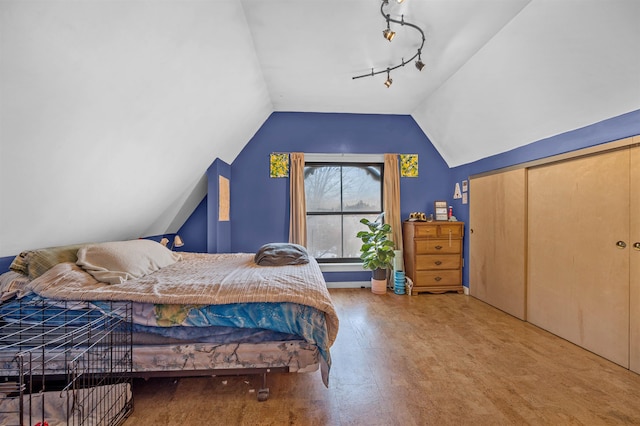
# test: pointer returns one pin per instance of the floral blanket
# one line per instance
(215, 288)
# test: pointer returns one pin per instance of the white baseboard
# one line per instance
(366, 284)
(349, 284)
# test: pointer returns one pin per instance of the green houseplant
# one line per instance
(377, 250)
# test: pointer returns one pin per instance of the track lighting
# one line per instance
(389, 35)
(389, 82)
(419, 63)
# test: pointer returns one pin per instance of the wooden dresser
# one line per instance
(433, 255)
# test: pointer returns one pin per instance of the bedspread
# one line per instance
(200, 280)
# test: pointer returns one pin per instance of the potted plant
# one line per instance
(376, 253)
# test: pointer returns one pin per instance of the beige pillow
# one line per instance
(36, 262)
(118, 261)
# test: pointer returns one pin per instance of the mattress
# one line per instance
(204, 312)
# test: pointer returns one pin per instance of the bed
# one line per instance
(192, 313)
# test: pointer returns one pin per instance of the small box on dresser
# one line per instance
(433, 255)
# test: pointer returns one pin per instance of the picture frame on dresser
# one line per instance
(440, 210)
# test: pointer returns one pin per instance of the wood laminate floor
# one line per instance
(444, 359)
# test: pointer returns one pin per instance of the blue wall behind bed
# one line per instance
(260, 204)
(5, 262)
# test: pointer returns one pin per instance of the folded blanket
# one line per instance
(279, 254)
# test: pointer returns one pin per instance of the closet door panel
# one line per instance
(634, 260)
(578, 279)
(497, 240)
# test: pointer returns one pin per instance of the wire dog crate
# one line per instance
(65, 363)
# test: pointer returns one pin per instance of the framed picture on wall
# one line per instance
(440, 210)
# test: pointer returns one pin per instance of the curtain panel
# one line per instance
(391, 200)
(297, 203)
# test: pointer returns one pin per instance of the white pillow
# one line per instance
(118, 261)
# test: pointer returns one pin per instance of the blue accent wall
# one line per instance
(260, 204)
(5, 262)
(194, 231)
(218, 233)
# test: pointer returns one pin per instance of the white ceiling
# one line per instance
(500, 73)
(111, 111)
(310, 50)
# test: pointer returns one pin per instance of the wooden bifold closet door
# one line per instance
(578, 283)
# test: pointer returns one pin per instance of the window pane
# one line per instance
(352, 225)
(361, 188)
(337, 197)
(324, 236)
(322, 188)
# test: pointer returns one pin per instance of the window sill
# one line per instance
(341, 267)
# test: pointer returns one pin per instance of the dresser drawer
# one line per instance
(438, 278)
(438, 246)
(453, 229)
(428, 231)
(437, 261)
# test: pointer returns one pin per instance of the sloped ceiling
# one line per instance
(111, 111)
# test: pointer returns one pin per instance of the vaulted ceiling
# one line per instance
(111, 111)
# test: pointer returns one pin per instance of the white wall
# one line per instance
(557, 66)
(111, 112)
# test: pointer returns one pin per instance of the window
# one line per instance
(338, 195)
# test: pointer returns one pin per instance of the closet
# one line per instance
(578, 282)
(558, 244)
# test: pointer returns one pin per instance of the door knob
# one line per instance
(621, 244)
(636, 245)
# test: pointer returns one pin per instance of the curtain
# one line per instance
(297, 203)
(391, 201)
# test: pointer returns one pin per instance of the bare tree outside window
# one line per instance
(337, 197)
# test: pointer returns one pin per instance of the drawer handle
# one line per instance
(437, 278)
(621, 244)
(636, 246)
(438, 247)
(438, 262)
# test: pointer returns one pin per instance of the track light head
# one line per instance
(387, 33)
(389, 82)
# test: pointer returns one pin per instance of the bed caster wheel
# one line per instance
(263, 394)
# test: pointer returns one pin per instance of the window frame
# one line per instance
(343, 160)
